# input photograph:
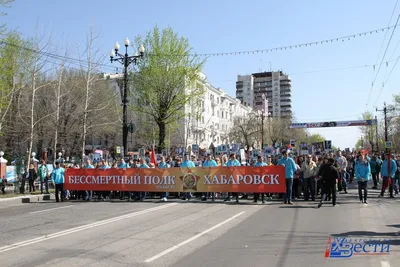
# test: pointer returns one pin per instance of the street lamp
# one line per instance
(261, 113)
(125, 60)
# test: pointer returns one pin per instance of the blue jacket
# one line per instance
(58, 175)
(362, 170)
(290, 167)
(210, 163)
(144, 166)
(163, 165)
(90, 166)
(187, 164)
(123, 166)
(105, 167)
(232, 163)
(393, 168)
(260, 164)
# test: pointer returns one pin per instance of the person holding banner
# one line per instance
(89, 194)
(187, 163)
(259, 163)
(290, 169)
(140, 196)
(232, 162)
(388, 175)
(209, 163)
(164, 165)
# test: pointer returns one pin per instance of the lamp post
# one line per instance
(125, 60)
(262, 115)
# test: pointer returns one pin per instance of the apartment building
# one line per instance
(274, 86)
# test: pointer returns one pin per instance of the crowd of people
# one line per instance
(307, 176)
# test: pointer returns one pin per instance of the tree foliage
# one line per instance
(166, 79)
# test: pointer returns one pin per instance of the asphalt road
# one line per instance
(194, 233)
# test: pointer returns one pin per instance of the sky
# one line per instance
(330, 81)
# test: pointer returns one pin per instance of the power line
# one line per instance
(387, 47)
(384, 83)
(56, 56)
(377, 58)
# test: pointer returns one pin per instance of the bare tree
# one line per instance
(36, 65)
(98, 99)
(244, 130)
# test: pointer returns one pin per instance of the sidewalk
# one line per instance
(25, 199)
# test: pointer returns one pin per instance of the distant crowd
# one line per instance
(307, 176)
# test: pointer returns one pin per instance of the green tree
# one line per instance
(369, 132)
(315, 138)
(10, 72)
(166, 80)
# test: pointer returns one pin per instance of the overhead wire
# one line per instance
(377, 58)
(383, 58)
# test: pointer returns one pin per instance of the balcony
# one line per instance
(286, 99)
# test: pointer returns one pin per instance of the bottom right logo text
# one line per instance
(344, 247)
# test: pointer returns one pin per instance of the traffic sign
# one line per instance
(388, 144)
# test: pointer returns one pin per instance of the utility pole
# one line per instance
(385, 110)
(376, 134)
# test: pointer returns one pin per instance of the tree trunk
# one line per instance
(161, 136)
(58, 110)
(32, 124)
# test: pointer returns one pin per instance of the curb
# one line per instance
(25, 199)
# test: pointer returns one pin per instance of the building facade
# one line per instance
(209, 118)
(274, 86)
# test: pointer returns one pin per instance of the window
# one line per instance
(217, 100)
(222, 114)
(213, 111)
(218, 113)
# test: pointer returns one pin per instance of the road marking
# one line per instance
(81, 228)
(385, 264)
(39, 211)
(159, 255)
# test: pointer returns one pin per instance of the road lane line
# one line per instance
(385, 264)
(159, 255)
(81, 228)
(39, 211)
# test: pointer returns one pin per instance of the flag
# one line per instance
(153, 157)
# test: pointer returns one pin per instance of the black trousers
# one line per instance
(257, 196)
(375, 179)
(329, 188)
(362, 186)
(31, 185)
(59, 190)
(309, 187)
